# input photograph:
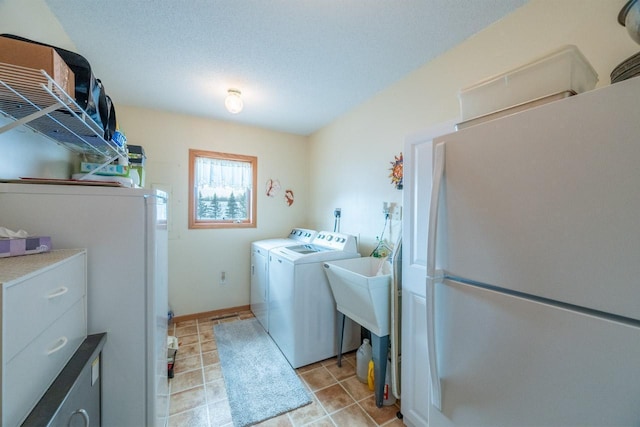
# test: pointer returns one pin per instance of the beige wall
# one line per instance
(34, 20)
(197, 257)
(25, 153)
(18, 147)
(361, 144)
(344, 165)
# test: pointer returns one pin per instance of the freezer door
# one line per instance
(506, 361)
(546, 201)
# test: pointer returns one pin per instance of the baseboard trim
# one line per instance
(225, 312)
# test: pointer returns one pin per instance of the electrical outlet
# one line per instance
(396, 213)
(223, 278)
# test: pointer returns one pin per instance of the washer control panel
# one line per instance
(336, 241)
(303, 235)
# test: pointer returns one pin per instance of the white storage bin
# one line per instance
(565, 69)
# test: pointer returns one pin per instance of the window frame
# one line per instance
(195, 223)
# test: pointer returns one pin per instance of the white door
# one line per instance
(416, 195)
(507, 361)
(414, 368)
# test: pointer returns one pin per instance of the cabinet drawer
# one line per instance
(33, 304)
(32, 371)
(82, 405)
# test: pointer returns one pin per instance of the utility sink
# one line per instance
(362, 290)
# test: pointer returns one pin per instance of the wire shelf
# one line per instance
(32, 98)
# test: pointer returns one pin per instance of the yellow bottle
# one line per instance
(370, 378)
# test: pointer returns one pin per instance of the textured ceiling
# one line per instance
(299, 63)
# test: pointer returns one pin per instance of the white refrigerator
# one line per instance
(125, 233)
(533, 267)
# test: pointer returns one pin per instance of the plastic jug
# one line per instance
(387, 397)
(363, 356)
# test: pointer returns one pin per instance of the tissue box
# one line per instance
(26, 246)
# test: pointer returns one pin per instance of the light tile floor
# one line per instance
(199, 399)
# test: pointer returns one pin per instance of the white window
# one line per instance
(222, 190)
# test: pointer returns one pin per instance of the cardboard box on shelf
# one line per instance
(38, 57)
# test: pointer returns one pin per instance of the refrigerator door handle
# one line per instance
(434, 275)
(434, 204)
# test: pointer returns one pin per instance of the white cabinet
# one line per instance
(416, 195)
(44, 321)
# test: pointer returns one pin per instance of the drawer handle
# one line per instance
(63, 290)
(62, 341)
(84, 414)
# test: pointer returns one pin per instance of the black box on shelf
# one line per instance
(136, 154)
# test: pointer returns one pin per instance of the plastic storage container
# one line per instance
(388, 398)
(565, 69)
(363, 357)
(371, 376)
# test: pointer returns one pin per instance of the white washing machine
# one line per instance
(303, 320)
(260, 269)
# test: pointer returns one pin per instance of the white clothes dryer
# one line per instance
(303, 320)
(260, 266)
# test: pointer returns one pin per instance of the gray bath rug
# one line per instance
(260, 382)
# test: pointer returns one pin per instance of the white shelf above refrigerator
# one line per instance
(33, 99)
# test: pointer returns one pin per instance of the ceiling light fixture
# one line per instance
(233, 101)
